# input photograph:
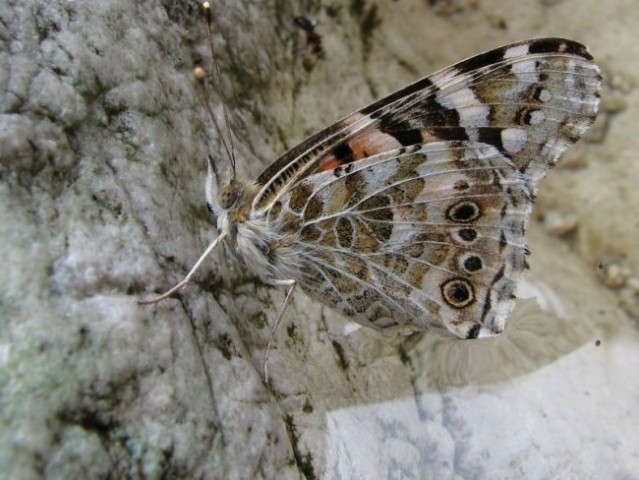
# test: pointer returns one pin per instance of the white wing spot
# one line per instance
(536, 117)
(442, 78)
(472, 112)
(545, 95)
(513, 139)
(527, 71)
(516, 51)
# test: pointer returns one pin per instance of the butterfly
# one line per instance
(413, 211)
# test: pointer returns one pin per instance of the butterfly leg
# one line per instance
(290, 284)
(188, 276)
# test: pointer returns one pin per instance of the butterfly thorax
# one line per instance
(248, 236)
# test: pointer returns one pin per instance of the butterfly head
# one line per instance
(223, 192)
(228, 196)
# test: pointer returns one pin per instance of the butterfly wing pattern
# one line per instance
(413, 211)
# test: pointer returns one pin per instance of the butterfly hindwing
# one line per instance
(429, 235)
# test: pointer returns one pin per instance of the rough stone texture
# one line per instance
(103, 142)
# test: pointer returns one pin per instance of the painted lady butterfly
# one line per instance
(413, 210)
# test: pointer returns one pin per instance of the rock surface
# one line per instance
(103, 145)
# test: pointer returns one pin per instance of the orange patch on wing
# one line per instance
(362, 146)
(329, 163)
(371, 143)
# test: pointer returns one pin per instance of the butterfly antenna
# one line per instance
(198, 73)
(230, 147)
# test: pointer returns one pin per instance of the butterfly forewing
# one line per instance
(414, 210)
(528, 99)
